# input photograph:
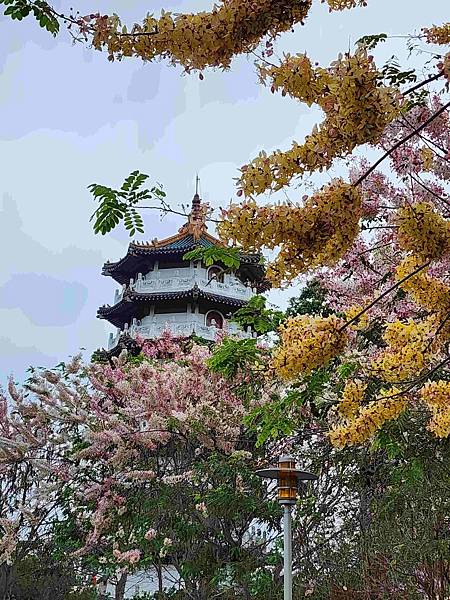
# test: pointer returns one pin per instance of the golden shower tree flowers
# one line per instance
(309, 236)
(204, 39)
(423, 231)
(410, 347)
(363, 320)
(436, 395)
(430, 293)
(438, 34)
(357, 109)
(389, 405)
(352, 398)
(440, 423)
(200, 40)
(307, 343)
(296, 77)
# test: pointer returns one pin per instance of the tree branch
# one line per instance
(400, 143)
(381, 296)
(422, 83)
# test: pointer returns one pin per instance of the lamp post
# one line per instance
(288, 479)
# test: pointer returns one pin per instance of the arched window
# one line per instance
(213, 317)
(215, 273)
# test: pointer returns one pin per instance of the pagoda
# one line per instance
(160, 291)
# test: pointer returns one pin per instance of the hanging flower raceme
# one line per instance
(438, 34)
(357, 109)
(352, 397)
(307, 343)
(309, 236)
(410, 347)
(440, 423)
(430, 293)
(436, 395)
(205, 39)
(422, 231)
(388, 406)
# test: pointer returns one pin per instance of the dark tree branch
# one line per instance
(381, 296)
(400, 143)
(422, 83)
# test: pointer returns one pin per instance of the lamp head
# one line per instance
(288, 478)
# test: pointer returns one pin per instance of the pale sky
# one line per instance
(71, 118)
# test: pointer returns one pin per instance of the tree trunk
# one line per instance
(6, 580)
(160, 581)
(120, 587)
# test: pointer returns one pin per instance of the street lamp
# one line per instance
(288, 479)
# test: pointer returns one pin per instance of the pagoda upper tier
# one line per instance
(191, 235)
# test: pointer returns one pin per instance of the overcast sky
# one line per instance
(70, 118)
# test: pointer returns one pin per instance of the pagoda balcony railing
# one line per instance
(186, 280)
(155, 330)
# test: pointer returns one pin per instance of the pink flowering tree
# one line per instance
(146, 462)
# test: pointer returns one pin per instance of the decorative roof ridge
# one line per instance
(195, 226)
(146, 296)
(156, 244)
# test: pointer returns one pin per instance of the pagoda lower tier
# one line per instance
(200, 309)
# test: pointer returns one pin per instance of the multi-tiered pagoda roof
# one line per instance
(190, 236)
(158, 284)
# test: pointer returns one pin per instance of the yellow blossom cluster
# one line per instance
(362, 322)
(308, 236)
(308, 342)
(343, 4)
(357, 109)
(427, 155)
(428, 292)
(204, 39)
(436, 395)
(423, 231)
(352, 397)
(440, 423)
(370, 418)
(410, 346)
(438, 34)
(297, 78)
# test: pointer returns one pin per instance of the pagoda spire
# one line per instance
(196, 224)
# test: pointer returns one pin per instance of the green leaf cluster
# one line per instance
(278, 418)
(285, 413)
(258, 317)
(393, 74)
(19, 9)
(121, 205)
(233, 355)
(311, 301)
(215, 255)
(370, 41)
